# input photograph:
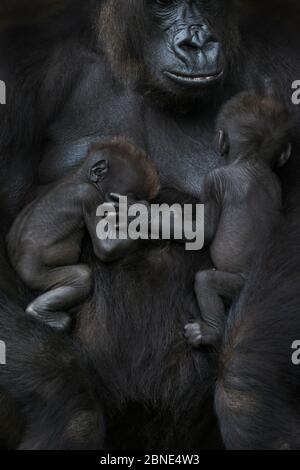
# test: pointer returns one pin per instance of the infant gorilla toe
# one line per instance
(57, 320)
(197, 335)
(193, 334)
(61, 322)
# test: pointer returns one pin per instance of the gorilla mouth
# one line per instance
(191, 79)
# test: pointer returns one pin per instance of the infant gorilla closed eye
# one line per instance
(44, 243)
(242, 203)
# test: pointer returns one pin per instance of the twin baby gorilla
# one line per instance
(242, 205)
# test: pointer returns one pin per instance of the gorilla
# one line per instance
(156, 71)
(253, 137)
(45, 250)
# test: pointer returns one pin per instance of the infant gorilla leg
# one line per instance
(212, 288)
(65, 287)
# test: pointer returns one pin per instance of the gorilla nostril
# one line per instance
(191, 41)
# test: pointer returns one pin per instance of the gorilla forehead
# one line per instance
(140, 16)
(168, 45)
(170, 7)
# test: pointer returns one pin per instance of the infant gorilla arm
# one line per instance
(44, 243)
(254, 139)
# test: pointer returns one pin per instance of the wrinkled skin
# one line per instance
(156, 73)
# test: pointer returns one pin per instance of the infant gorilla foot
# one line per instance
(57, 320)
(198, 335)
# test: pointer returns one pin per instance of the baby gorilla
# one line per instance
(242, 201)
(44, 243)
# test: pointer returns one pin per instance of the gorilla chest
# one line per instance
(180, 145)
(182, 148)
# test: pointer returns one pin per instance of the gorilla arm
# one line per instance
(35, 91)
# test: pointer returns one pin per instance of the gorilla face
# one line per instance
(175, 47)
(186, 53)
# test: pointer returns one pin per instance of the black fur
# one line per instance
(127, 370)
(257, 396)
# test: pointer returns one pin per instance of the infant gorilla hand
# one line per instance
(115, 242)
(128, 212)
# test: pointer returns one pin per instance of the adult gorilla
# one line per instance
(156, 71)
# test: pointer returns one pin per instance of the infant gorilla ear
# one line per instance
(98, 171)
(255, 127)
(285, 155)
(223, 142)
(44, 244)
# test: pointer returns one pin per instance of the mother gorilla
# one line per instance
(156, 71)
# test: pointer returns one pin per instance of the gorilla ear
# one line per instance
(223, 142)
(285, 155)
(99, 171)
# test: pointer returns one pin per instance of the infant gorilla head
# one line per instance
(253, 128)
(44, 243)
(117, 166)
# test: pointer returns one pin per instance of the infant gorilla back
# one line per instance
(254, 139)
(251, 204)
